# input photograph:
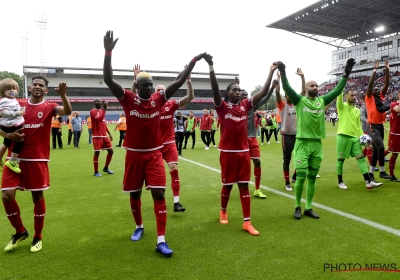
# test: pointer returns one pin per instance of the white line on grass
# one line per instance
(317, 205)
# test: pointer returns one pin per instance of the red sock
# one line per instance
(369, 155)
(257, 176)
(392, 164)
(225, 195)
(108, 160)
(39, 211)
(175, 183)
(385, 153)
(13, 214)
(96, 163)
(160, 209)
(245, 200)
(286, 176)
(137, 211)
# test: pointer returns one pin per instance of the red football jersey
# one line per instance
(233, 119)
(394, 119)
(167, 121)
(99, 126)
(143, 132)
(37, 130)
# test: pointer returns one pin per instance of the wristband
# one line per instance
(194, 60)
(211, 67)
(108, 53)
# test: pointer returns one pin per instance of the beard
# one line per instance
(312, 93)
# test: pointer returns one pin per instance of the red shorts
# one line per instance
(235, 167)
(254, 148)
(169, 153)
(34, 176)
(101, 143)
(394, 143)
(145, 167)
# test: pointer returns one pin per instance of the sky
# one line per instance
(164, 35)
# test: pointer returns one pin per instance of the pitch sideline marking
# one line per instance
(329, 209)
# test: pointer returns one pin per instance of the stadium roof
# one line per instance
(344, 23)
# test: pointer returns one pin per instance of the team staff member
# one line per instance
(121, 126)
(190, 124)
(89, 126)
(70, 127)
(205, 128)
(33, 160)
(56, 131)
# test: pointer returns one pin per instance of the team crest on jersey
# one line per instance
(40, 115)
(242, 108)
(318, 104)
(153, 103)
(166, 109)
(341, 154)
(299, 161)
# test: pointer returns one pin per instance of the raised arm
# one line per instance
(175, 85)
(258, 96)
(189, 94)
(66, 108)
(328, 98)
(294, 97)
(136, 71)
(213, 81)
(109, 44)
(303, 81)
(387, 77)
(277, 86)
(370, 87)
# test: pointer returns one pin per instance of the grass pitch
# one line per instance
(89, 223)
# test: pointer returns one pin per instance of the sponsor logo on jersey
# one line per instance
(40, 115)
(313, 111)
(229, 116)
(35, 125)
(143, 116)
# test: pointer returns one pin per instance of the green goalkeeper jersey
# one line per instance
(311, 112)
(349, 116)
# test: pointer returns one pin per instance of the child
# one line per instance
(11, 119)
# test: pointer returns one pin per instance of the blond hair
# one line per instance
(7, 84)
(143, 75)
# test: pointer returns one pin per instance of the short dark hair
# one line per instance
(39, 77)
(227, 90)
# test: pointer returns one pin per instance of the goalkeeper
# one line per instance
(347, 140)
(310, 131)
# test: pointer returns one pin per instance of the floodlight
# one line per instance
(379, 29)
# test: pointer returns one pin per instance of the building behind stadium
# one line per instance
(86, 84)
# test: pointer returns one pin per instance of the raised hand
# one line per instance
(274, 66)
(109, 42)
(62, 89)
(376, 64)
(208, 58)
(387, 66)
(278, 75)
(237, 81)
(299, 72)
(349, 66)
(200, 56)
(136, 71)
(275, 83)
(282, 68)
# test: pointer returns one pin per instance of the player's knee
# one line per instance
(157, 193)
(172, 166)
(257, 162)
